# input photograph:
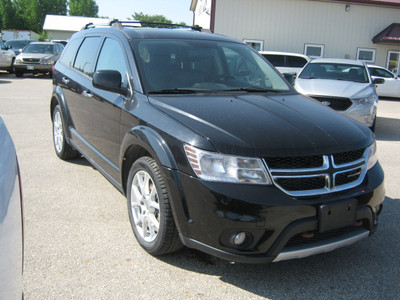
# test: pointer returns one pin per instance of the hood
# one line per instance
(35, 55)
(335, 88)
(261, 125)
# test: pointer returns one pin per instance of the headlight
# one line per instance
(18, 60)
(47, 60)
(226, 168)
(372, 155)
(369, 99)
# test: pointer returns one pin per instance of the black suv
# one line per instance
(212, 147)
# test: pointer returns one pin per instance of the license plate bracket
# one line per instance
(338, 214)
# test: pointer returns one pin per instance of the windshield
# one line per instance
(198, 65)
(39, 48)
(335, 71)
(17, 44)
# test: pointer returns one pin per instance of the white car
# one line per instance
(7, 57)
(11, 220)
(344, 85)
(286, 62)
(391, 86)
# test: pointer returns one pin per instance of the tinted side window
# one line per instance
(381, 73)
(275, 60)
(295, 61)
(112, 58)
(68, 55)
(85, 58)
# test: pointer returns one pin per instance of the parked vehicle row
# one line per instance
(277, 177)
(28, 56)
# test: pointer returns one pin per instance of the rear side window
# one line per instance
(68, 55)
(275, 60)
(295, 61)
(86, 56)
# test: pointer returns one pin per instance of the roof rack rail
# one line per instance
(119, 24)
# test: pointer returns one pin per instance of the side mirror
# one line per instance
(290, 77)
(378, 81)
(109, 80)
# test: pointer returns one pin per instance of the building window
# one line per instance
(393, 62)
(314, 50)
(367, 55)
(256, 44)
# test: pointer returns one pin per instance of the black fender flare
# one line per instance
(152, 142)
(58, 98)
(146, 141)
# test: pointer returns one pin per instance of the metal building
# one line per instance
(367, 30)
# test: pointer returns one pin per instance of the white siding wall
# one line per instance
(286, 25)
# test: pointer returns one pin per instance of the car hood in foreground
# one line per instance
(335, 88)
(261, 125)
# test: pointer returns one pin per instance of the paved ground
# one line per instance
(79, 245)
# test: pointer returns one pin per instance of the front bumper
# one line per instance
(210, 214)
(363, 113)
(32, 68)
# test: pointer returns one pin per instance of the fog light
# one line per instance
(240, 239)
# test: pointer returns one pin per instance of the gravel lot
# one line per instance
(79, 244)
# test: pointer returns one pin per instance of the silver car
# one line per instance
(11, 220)
(344, 85)
(6, 58)
(37, 57)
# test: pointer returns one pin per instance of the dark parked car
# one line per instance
(212, 147)
(17, 45)
(37, 57)
(11, 220)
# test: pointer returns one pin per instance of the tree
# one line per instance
(7, 14)
(152, 19)
(29, 14)
(84, 8)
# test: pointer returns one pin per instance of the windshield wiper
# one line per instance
(252, 90)
(309, 77)
(176, 91)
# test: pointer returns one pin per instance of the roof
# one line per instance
(284, 53)
(390, 35)
(69, 23)
(338, 61)
(372, 2)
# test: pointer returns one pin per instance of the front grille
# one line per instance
(298, 240)
(295, 162)
(337, 103)
(318, 174)
(347, 177)
(302, 184)
(31, 60)
(346, 157)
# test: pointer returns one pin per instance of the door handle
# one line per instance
(87, 94)
(65, 80)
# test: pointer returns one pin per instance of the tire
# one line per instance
(19, 74)
(62, 148)
(150, 210)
